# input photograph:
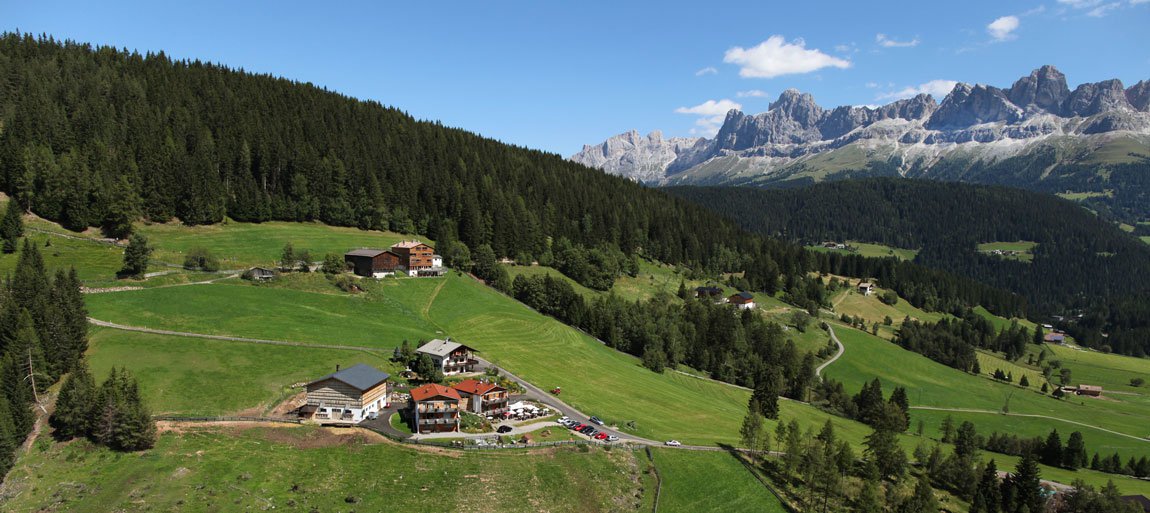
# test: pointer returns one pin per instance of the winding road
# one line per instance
(842, 349)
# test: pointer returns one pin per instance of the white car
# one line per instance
(563, 419)
(674, 443)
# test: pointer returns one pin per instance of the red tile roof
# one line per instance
(432, 390)
(476, 387)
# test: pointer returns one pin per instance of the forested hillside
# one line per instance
(97, 137)
(1080, 262)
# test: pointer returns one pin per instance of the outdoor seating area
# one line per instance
(521, 410)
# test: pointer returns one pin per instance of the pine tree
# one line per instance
(12, 226)
(9, 440)
(899, 398)
(751, 432)
(1024, 382)
(136, 430)
(1074, 456)
(1052, 449)
(288, 258)
(107, 411)
(870, 498)
(922, 501)
(74, 404)
(1025, 485)
(136, 257)
(30, 280)
(19, 396)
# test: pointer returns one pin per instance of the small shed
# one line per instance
(372, 263)
(866, 288)
(1089, 390)
(1054, 338)
(261, 274)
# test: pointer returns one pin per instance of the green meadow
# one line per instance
(868, 249)
(255, 468)
(201, 377)
(706, 481)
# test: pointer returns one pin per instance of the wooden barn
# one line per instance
(372, 263)
(347, 396)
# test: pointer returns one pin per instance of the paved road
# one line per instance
(842, 349)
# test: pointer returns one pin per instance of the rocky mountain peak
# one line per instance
(968, 105)
(1044, 90)
(1091, 99)
(798, 106)
(1139, 96)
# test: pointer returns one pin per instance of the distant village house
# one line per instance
(742, 300)
(452, 357)
(1054, 338)
(260, 274)
(434, 409)
(866, 288)
(347, 396)
(1089, 390)
(710, 292)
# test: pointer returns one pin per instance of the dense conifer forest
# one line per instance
(99, 137)
(1082, 263)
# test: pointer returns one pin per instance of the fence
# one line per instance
(658, 480)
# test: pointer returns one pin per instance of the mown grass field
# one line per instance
(93, 261)
(313, 469)
(201, 377)
(653, 278)
(700, 482)
(1023, 248)
(872, 250)
(603, 382)
(989, 362)
(932, 384)
(872, 309)
(243, 310)
(1113, 372)
(239, 245)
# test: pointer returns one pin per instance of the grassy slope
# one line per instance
(255, 469)
(241, 309)
(932, 384)
(728, 486)
(873, 250)
(239, 245)
(190, 376)
(1112, 372)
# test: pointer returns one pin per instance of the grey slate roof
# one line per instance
(365, 252)
(440, 347)
(360, 376)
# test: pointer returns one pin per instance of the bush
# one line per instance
(889, 297)
(1137, 382)
(200, 259)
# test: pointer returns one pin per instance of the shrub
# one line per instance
(1137, 382)
(200, 259)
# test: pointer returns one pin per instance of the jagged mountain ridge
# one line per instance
(979, 123)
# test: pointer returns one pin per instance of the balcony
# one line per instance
(437, 422)
(445, 409)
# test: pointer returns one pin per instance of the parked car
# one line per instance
(579, 427)
(503, 429)
(590, 431)
(601, 436)
(596, 420)
(373, 415)
(674, 443)
(563, 419)
(612, 438)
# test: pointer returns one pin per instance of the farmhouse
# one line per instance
(866, 288)
(452, 357)
(372, 263)
(482, 397)
(1054, 338)
(347, 396)
(1089, 390)
(434, 409)
(414, 255)
(742, 300)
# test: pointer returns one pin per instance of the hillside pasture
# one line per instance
(255, 467)
(869, 249)
(728, 485)
(200, 377)
(1023, 249)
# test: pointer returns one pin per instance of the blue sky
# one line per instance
(555, 76)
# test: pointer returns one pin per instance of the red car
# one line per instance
(579, 427)
(601, 436)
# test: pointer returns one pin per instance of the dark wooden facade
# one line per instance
(415, 255)
(368, 263)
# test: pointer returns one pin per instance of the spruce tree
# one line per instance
(74, 404)
(18, 394)
(30, 281)
(1025, 485)
(922, 501)
(751, 432)
(870, 498)
(107, 411)
(987, 495)
(12, 226)
(9, 440)
(136, 430)
(136, 257)
(1052, 449)
(1074, 456)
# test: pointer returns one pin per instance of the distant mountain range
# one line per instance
(975, 129)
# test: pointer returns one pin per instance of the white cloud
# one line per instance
(887, 42)
(1080, 4)
(776, 57)
(709, 70)
(871, 85)
(753, 93)
(711, 115)
(936, 88)
(1003, 28)
(1103, 10)
(1138, 2)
